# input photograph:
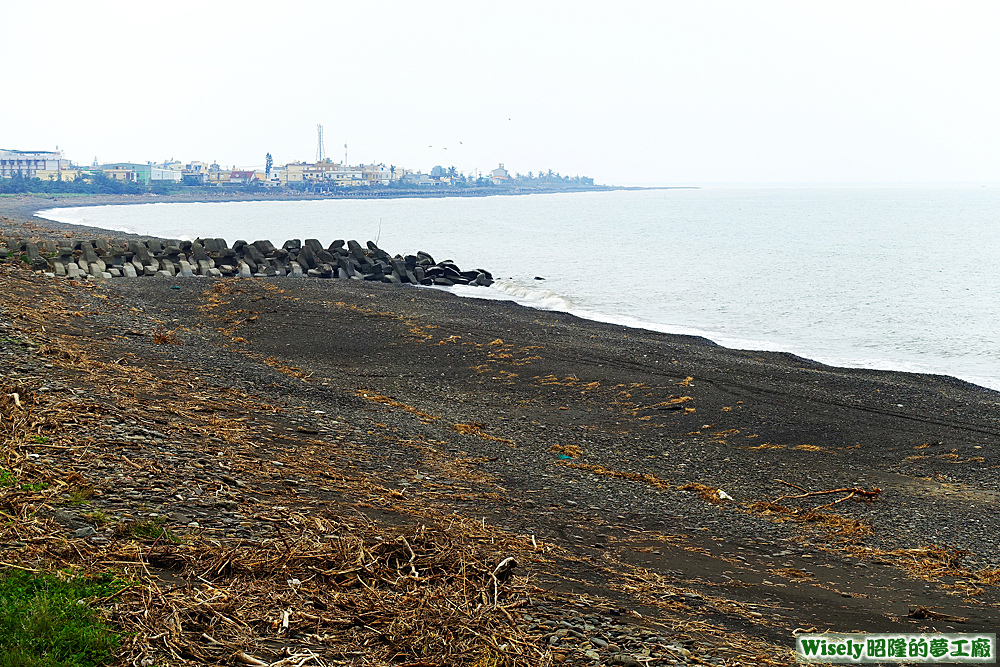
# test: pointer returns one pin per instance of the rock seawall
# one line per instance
(103, 259)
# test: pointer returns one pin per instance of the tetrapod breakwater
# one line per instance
(106, 259)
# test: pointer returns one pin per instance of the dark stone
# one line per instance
(264, 246)
(89, 255)
(346, 266)
(32, 250)
(622, 660)
(336, 245)
(425, 257)
(139, 251)
(314, 245)
(198, 252)
(292, 244)
(327, 258)
(355, 249)
(307, 258)
(254, 253)
(68, 519)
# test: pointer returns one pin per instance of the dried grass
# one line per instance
(707, 493)
(643, 478)
(572, 451)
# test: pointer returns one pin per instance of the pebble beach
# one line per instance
(662, 499)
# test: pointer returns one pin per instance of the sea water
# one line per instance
(900, 278)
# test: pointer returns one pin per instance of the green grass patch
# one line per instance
(149, 530)
(7, 479)
(47, 621)
(96, 517)
(34, 487)
(79, 495)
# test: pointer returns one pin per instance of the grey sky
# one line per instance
(626, 92)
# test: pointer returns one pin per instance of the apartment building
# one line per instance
(28, 163)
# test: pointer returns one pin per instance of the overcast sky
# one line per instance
(626, 92)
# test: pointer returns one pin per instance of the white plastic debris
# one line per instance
(724, 496)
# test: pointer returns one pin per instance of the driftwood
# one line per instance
(925, 613)
(851, 491)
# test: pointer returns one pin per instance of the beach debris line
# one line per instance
(103, 259)
(851, 492)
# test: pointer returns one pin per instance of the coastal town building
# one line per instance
(28, 163)
(499, 174)
(140, 173)
(217, 176)
(417, 178)
(321, 175)
(241, 177)
(61, 174)
(376, 174)
(197, 172)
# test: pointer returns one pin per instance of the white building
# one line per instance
(165, 174)
(26, 163)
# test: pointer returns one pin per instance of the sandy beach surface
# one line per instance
(342, 468)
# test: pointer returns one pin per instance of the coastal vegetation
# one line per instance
(46, 620)
(97, 184)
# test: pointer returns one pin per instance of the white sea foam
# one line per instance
(544, 299)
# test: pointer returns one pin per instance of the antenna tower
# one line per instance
(320, 151)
